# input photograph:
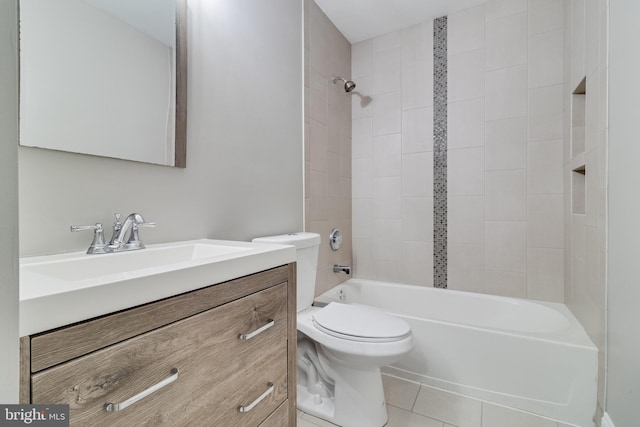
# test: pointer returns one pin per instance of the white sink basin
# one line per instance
(57, 290)
(85, 266)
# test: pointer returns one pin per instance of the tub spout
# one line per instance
(346, 269)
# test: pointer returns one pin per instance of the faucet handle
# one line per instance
(98, 246)
(134, 241)
(145, 225)
(75, 228)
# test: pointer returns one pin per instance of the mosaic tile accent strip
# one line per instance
(440, 152)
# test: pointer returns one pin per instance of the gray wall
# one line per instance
(244, 175)
(327, 122)
(8, 202)
(623, 381)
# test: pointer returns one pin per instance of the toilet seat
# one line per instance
(359, 323)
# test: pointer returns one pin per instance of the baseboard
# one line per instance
(606, 421)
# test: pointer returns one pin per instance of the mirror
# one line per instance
(105, 77)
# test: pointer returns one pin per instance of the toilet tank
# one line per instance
(307, 245)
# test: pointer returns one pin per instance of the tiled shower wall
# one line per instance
(586, 146)
(327, 147)
(505, 152)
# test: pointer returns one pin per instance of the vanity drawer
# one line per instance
(217, 371)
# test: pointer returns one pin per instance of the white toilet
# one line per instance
(341, 348)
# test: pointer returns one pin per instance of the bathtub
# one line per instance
(533, 356)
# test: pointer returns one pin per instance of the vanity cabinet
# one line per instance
(218, 356)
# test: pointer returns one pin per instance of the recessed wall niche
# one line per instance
(578, 118)
(579, 171)
(578, 196)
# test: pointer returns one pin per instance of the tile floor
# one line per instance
(414, 405)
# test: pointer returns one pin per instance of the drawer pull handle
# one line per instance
(114, 407)
(270, 323)
(253, 404)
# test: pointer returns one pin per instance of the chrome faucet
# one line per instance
(118, 242)
(98, 246)
(131, 224)
(346, 269)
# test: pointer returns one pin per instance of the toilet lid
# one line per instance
(360, 323)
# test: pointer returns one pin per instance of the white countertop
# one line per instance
(49, 301)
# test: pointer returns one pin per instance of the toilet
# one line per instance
(341, 347)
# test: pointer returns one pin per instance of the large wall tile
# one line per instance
(545, 274)
(506, 93)
(496, 9)
(417, 263)
(363, 258)
(506, 246)
(545, 113)
(387, 71)
(417, 175)
(465, 172)
(545, 15)
(387, 117)
(361, 59)
(506, 144)
(465, 75)
(506, 43)
(318, 145)
(362, 105)
(417, 130)
(506, 195)
(387, 244)
(387, 151)
(387, 203)
(465, 271)
(506, 283)
(465, 220)
(362, 218)
(362, 171)
(417, 43)
(466, 124)
(417, 219)
(546, 59)
(417, 85)
(545, 225)
(318, 102)
(362, 138)
(465, 30)
(544, 171)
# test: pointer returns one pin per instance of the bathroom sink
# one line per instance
(57, 290)
(85, 267)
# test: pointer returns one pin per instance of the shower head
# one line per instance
(348, 84)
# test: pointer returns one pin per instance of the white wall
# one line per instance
(623, 381)
(244, 154)
(8, 202)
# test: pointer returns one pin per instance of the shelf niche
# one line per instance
(579, 170)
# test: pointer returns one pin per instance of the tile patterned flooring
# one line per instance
(410, 404)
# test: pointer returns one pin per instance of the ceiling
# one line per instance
(360, 20)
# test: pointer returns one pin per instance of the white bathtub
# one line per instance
(533, 356)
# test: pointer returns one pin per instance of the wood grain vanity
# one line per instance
(222, 355)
